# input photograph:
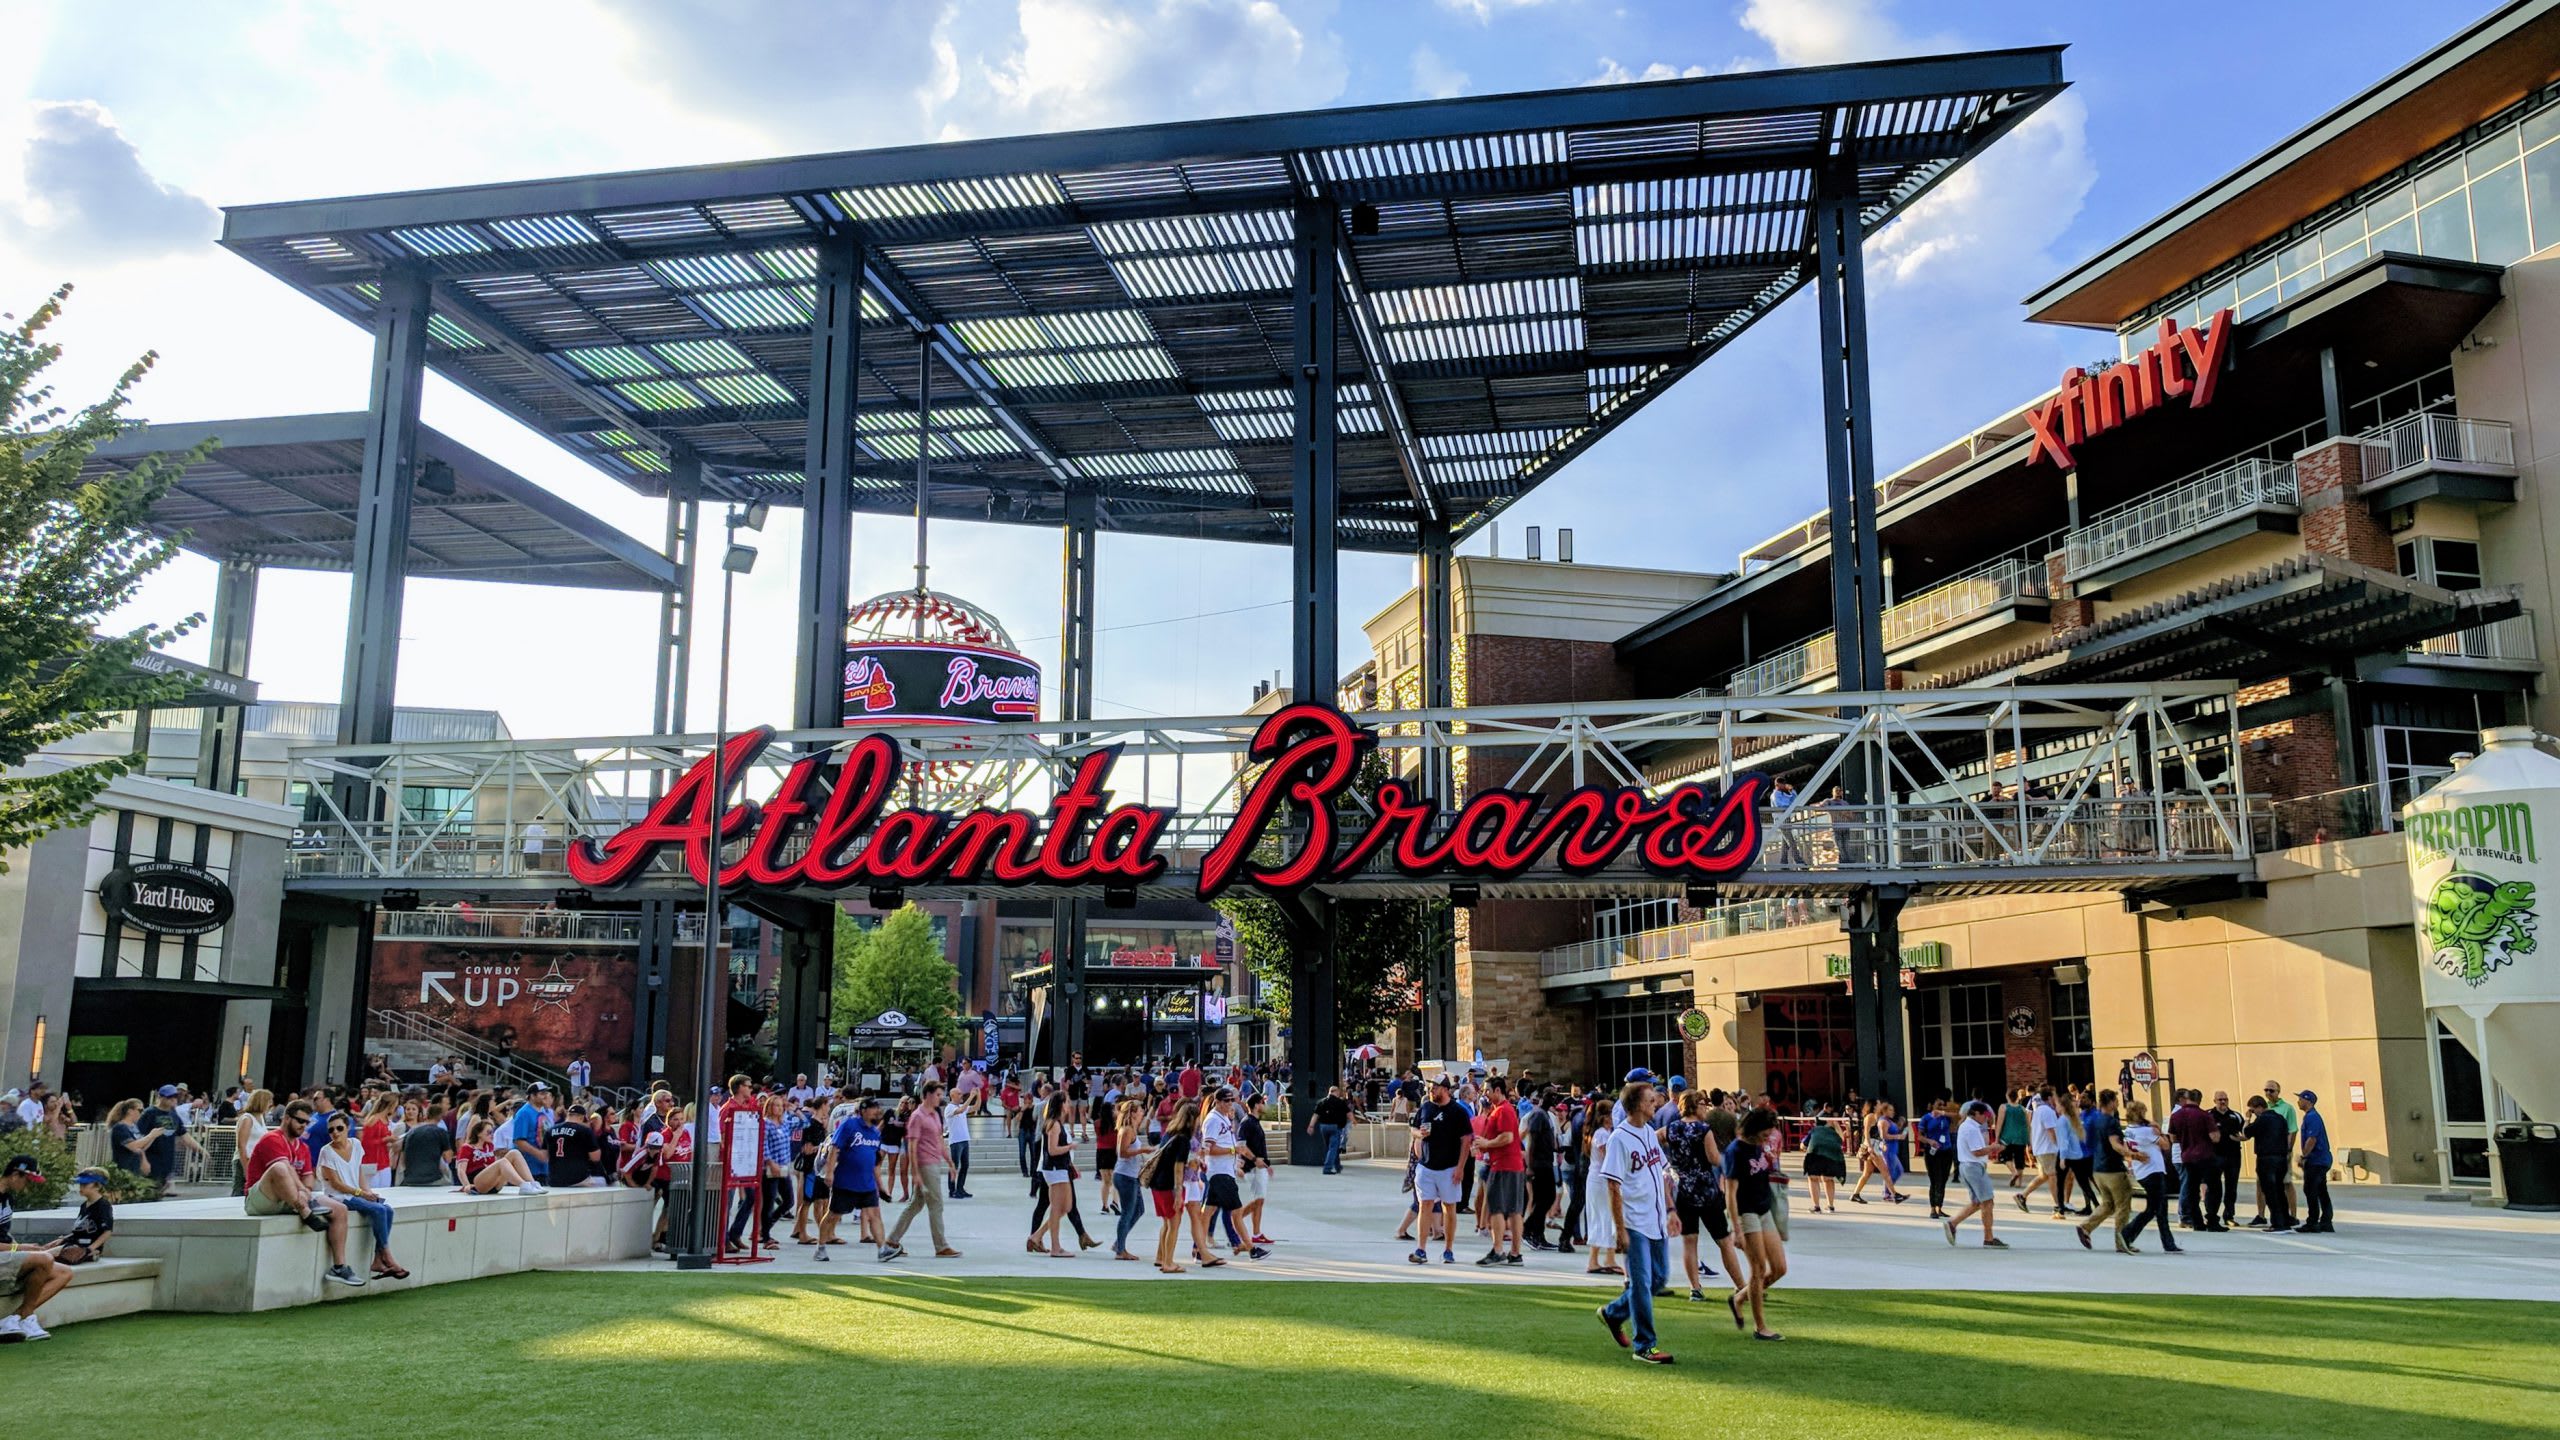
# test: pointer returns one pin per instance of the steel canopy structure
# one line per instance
(1369, 328)
(282, 492)
(1110, 310)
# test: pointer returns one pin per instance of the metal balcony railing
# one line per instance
(1996, 586)
(2414, 442)
(1797, 665)
(2510, 639)
(487, 923)
(2182, 510)
(1673, 942)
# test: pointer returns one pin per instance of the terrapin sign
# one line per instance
(824, 826)
(2478, 876)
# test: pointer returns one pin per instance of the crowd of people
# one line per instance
(1615, 1175)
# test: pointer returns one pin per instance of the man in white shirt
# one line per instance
(1639, 1184)
(534, 835)
(801, 1091)
(1221, 1136)
(1977, 1141)
(581, 1074)
(30, 1107)
(2044, 1142)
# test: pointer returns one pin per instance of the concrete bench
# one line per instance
(102, 1289)
(211, 1255)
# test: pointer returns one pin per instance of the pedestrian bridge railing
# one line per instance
(1997, 786)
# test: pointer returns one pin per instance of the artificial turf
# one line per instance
(913, 1355)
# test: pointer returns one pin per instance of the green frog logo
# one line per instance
(2474, 926)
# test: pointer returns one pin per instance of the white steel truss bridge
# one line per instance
(2123, 787)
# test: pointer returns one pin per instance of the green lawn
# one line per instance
(646, 1355)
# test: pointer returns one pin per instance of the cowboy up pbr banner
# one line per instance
(548, 1004)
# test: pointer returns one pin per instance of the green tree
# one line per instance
(73, 549)
(896, 965)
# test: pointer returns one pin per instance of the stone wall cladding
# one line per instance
(2335, 521)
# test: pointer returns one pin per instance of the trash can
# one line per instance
(2529, 1153)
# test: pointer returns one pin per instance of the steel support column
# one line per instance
(218, 731)
(656, 963)
(1848, 441)
(1439, 1030)
(1068, 916)
(1875, 992)
(384, 491)
(675, 607)
(1315, 1053)
(826, 598)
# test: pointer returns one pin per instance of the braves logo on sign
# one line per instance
(867, 683)
(825, 825)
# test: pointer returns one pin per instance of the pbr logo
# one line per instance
(551, 989)
(2474, 926)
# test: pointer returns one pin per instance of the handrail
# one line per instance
(514, 1070)
(2508, 639)
(2157, 519)
(2413, 442)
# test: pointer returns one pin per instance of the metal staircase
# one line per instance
(393, 1031)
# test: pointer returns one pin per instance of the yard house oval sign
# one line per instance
(166, 897)
(1310, 756)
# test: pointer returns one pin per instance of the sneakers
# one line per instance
(1419, 1256)
(891, 1252)
(1995, 1244)
(821, 1253)
(2084, 1239)
(12, 1330)
(1513, 1259)
(1654, 1357)
(1490, 1257)
(1617, 1327)
(1259, 1253)
(313, 1220)
(1448, 1257)
(1951, 1231)
(28, 1329)
(344, 1275)
(1697, 1294)
(534, 1188)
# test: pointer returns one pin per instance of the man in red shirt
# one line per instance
(1189, 1081)
(1506, 1170)
(280, 1165)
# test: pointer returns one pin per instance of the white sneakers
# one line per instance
(527, 1189)
(33, 1331)
(16, 1329)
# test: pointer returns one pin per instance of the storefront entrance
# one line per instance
(1959, 1049)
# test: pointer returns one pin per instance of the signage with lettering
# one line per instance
(826, 826)
(1919, 955)
(938, 682)
(2180, 365)
(166, 897)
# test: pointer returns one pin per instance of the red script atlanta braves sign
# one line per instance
(1310, 756)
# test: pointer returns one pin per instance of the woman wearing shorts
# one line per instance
(1057, 1177)
(1130, 1152)
(1689, 1144)
(893, 1150)
(1165, 1176)
(1826, 1163)
(1749, 1171)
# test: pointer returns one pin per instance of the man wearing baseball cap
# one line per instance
(29, 1270)
(2311, 1132)
(166, 1130)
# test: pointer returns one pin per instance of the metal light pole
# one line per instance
(702, 1231)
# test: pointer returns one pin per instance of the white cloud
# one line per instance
(1613, 73)
(88, 194)
(1831, 32)
(1991, 224)
(1082, 63)
(1482, 11)
(1435, 77)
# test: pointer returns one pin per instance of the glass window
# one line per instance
(433, 804)
(1641, 1030)
(2400, 235)
(2443, 180)
(2497, 216)
(2541, 126)
(2491, 153)
(2344, 237)
(2395, 204)
(2444, 229)
(2457, 563)
(2542, 195)
(2069, 1061)
(1959, 1043)
(1807, 1043)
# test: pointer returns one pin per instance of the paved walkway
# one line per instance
(2391, 1241)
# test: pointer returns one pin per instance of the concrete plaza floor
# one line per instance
(2391, 1241)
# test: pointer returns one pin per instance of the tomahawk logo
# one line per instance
(867, 681)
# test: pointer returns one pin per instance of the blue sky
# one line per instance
(128, 134)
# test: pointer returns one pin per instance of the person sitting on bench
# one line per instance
(279, 1183)
(485, 1167)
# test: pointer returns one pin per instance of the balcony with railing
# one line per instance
(2439, 456)
(1798, 667)
(2507, 644)
(2185, 519)
(1672, 943)
(2014, 586)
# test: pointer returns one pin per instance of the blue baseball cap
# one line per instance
(1639, 1073)
(168, 1090)
(90, 1176)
